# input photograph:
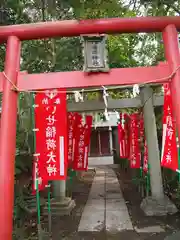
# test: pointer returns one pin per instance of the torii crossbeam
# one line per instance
(78, 79)
(169, 26)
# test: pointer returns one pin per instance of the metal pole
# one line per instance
(171, 46)
(8, 138)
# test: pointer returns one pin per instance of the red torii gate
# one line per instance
(24, 82)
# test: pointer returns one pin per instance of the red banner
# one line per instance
(72, 119)
(51, 135)
(127, 136)
(78, 122)
(135, 153)
(169, 157)
(89, 121)
(82, 140)
(145, 163)
(79, 147)
(123, 136)
(143, 142)
(141, 128)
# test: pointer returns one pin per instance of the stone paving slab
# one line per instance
(92, 218)
(117, 216)
(105, 205)
(106, 211)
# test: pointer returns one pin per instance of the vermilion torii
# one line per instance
(12, 83)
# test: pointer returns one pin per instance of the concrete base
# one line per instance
(152, 207)
(61, 208)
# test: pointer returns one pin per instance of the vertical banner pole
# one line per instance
(148, 180)
(141, 172)
(37, 182)
(38, 209)
(141, 183)
(179, 164)
(71, 175)
(178, 172)
(178, 149)
(49, 211)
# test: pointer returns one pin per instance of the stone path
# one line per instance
(105, 208)
(102, 213)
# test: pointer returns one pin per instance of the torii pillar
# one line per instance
(172, 54)
(157, 204)
(8, 137)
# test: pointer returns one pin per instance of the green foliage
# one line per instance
(169, 7)
(65, 54)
